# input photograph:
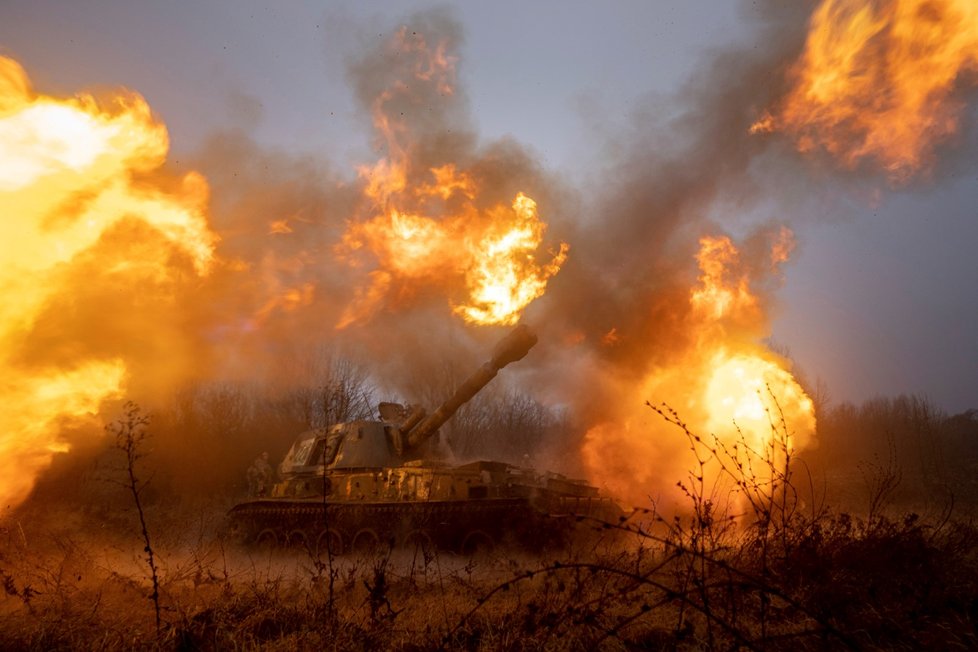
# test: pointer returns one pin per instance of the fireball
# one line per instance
(722, 382)
(82, 217)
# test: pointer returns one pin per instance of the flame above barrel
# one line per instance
(428, 226)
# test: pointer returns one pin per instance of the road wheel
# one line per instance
(329, 542)
(298, 540)
(419, 542)
(366, 542)
(478, 544)
(267, 540)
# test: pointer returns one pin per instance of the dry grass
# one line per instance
(842, 584)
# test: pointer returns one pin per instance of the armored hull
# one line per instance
(462, 509)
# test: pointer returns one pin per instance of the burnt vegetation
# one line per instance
(867, 542)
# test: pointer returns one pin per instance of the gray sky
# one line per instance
(880, 298)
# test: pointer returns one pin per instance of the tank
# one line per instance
(364, 485)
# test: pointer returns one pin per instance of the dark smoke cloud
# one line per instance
(680, 164)
(433, 116)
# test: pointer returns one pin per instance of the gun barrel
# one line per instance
(510, 349)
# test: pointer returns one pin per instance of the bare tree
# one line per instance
(224, 409)
(506, 423)
(338, 390)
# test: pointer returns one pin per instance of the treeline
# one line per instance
(902, 450)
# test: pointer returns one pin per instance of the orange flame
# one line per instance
(491, 253)
(503, 276)
(721, 382)
(876, 81)
(431, 229)
(74, 176)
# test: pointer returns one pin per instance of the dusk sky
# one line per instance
(879, 297)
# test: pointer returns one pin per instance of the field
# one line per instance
(74, 581)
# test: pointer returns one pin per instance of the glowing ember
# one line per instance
(70, 197)
(876, 81)
(721, 381)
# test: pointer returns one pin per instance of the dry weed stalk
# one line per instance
(130, 434)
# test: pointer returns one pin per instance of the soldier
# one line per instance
(259, 476)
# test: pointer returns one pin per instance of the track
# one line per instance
(464, 527)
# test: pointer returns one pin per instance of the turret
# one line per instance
(414, 428)
(400, 432)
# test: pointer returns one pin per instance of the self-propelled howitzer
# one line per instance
(364, 484)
